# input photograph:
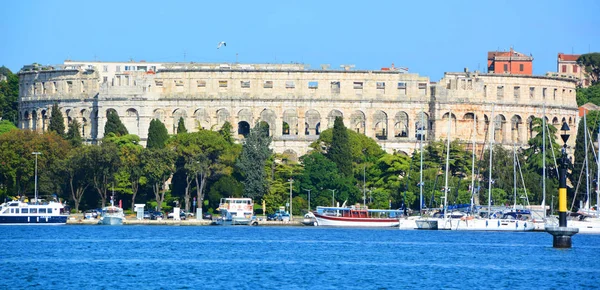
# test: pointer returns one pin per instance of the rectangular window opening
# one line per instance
(313, 85)
(245, 84)
(358, 85)
(290, 85)
(268, 85)
(222, 84)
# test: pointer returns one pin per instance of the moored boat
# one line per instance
(112, 215)
(236, 211)
(40, 212)
(356, 216)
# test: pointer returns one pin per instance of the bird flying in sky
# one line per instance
(222, 43)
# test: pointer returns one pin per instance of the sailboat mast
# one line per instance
(447, 163)
(544, 162)
(598, 176)
(493, 128)
(587, 169)
(421, 167)
(473, 165)
(514, 177)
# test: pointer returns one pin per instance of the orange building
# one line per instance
(509, 62)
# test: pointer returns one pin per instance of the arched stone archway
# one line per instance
(357, 121)
(515, 132)
(178, 114)
(269, 117)
(222, 117)
(422, 125)
(159, 114)
(202, 119)
(448, 117)
(132, 121)
(290, 122)
(500, 129)
(313, 122)
(401, 125)
(243, 129)
(331, 117)
(380, 125)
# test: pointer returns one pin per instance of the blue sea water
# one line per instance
(203, 257)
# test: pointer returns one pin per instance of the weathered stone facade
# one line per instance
(297, 103)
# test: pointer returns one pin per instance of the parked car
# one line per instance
(157, 215)
(91, 214)
(182, 215)
(207, 216)
(279, 216)
(147, 214)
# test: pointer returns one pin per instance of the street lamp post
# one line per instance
(562, 234)
(333, 197)
(35, 178)
(308, 198)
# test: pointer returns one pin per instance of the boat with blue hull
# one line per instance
(40, 212)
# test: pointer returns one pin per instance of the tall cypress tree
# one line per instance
(339, 151)
(114, 125)
(181, 126)
(57, 122)
(251, 163)
(225, 131)
(157, 134)
(73, 135)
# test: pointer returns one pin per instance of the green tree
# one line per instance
(77, 174)
(591, 63)
(158, 165)
(73, 135)
(9, 96)
(157, 134)
(251, 163)
(181, 126)
(129, 176)
(225, 131)
(339, 151)
(201, 155)
(6, 126)
(103, 161)
(114, 124)
(17, 163)
(588, 95)
(57, 122)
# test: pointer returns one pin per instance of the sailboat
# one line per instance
(424, 222)
(488, 223)
(588, 221)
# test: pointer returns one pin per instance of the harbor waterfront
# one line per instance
(160, 257)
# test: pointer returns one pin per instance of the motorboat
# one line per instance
(356, 216)
(112, 215)
(35, 212)
(236, 211)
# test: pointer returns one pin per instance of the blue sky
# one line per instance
(428, 37)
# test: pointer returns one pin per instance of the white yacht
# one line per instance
(112, 215)
(37, 212)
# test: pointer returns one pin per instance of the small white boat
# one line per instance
(427, 223)
(112, 215)
(40, 212)
(236, 211)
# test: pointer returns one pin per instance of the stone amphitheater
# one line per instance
(390, 105)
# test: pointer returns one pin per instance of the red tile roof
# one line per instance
(568, 57)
